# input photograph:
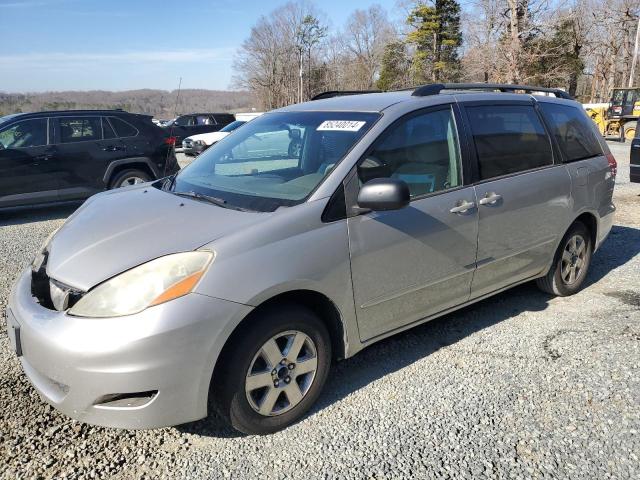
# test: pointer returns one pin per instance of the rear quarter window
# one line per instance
(573, 131)
(508, 139)
(122, 127)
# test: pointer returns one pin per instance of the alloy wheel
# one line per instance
(281, 373)
(574, 258)
(128, 181)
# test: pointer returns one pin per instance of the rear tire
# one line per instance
(570, 264)
(258, 393)
(129, 177)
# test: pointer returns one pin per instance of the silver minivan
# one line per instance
(307, 235)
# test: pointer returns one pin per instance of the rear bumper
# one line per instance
(167, 352)
(605, 224)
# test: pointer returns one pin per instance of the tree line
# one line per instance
(583, 46)
(159, 103)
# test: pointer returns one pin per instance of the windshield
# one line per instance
(232, 126)
(275, 160)
(617, 97)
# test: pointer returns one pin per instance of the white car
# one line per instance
(196, 144)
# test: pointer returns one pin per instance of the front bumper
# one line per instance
(193, 149)
(634, 173)
(167, 351)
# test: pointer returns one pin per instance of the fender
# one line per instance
(131, 160)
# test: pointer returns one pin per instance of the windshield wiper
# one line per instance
(221, 202)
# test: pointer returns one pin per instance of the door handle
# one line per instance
(463, 207)
(490, 198)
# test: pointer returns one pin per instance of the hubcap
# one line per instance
(281, 373)
(573, 260)
(131, 181)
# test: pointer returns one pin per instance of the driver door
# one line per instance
(414, 262)
(28, 173)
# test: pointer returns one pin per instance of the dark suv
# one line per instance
(194, 123)
(70, 155)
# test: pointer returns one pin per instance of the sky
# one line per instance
(53, 45)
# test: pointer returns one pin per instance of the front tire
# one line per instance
(274, 370)
(571, 263)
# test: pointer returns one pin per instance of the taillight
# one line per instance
(170, 140)
(613, 165)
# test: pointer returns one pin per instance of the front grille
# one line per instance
(41, 285)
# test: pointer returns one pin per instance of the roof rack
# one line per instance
(436, 88)
(342, 93)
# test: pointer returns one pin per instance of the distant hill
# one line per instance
(159, 103)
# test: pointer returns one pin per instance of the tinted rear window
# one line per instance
(508, 139)
(573, 131)
(122, 128)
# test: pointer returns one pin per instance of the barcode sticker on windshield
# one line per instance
(342, 125)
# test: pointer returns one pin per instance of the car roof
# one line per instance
(53, 113)
(204, 113)
(378, 102)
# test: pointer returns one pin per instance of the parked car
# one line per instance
(243, 276)
(196, 144)
(194, 123)
(72, 154)
(634, 160)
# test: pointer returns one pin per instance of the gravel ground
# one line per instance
(520, 385)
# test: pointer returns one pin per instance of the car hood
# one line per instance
(210, 137)
(117, 230)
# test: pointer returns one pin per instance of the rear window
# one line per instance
(573, 131)
(122, 128)
(224, 118)
(508, 139)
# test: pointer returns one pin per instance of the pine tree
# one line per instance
(393, 71)
(435, 37)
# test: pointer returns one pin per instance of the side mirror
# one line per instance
(384, 194)
(294, 134)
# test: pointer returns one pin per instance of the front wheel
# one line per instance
(571, 263)
(274, 371)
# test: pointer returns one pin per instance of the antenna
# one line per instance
(175, 114)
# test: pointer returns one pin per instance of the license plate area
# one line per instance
(13, 331)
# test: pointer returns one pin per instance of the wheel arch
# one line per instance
(589, 220)
(117, 166)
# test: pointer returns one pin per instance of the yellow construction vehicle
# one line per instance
(620, 117)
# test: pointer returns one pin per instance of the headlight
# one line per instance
(152, 283)
(199, 142)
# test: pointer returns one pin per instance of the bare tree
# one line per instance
(365, 36)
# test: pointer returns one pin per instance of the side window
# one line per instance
(122, 128)
(79, 129)
(25, 134)
(422, 150)
(508, 139)
(573, 130)
(185, 121)
(107, 130)
(204, 120)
